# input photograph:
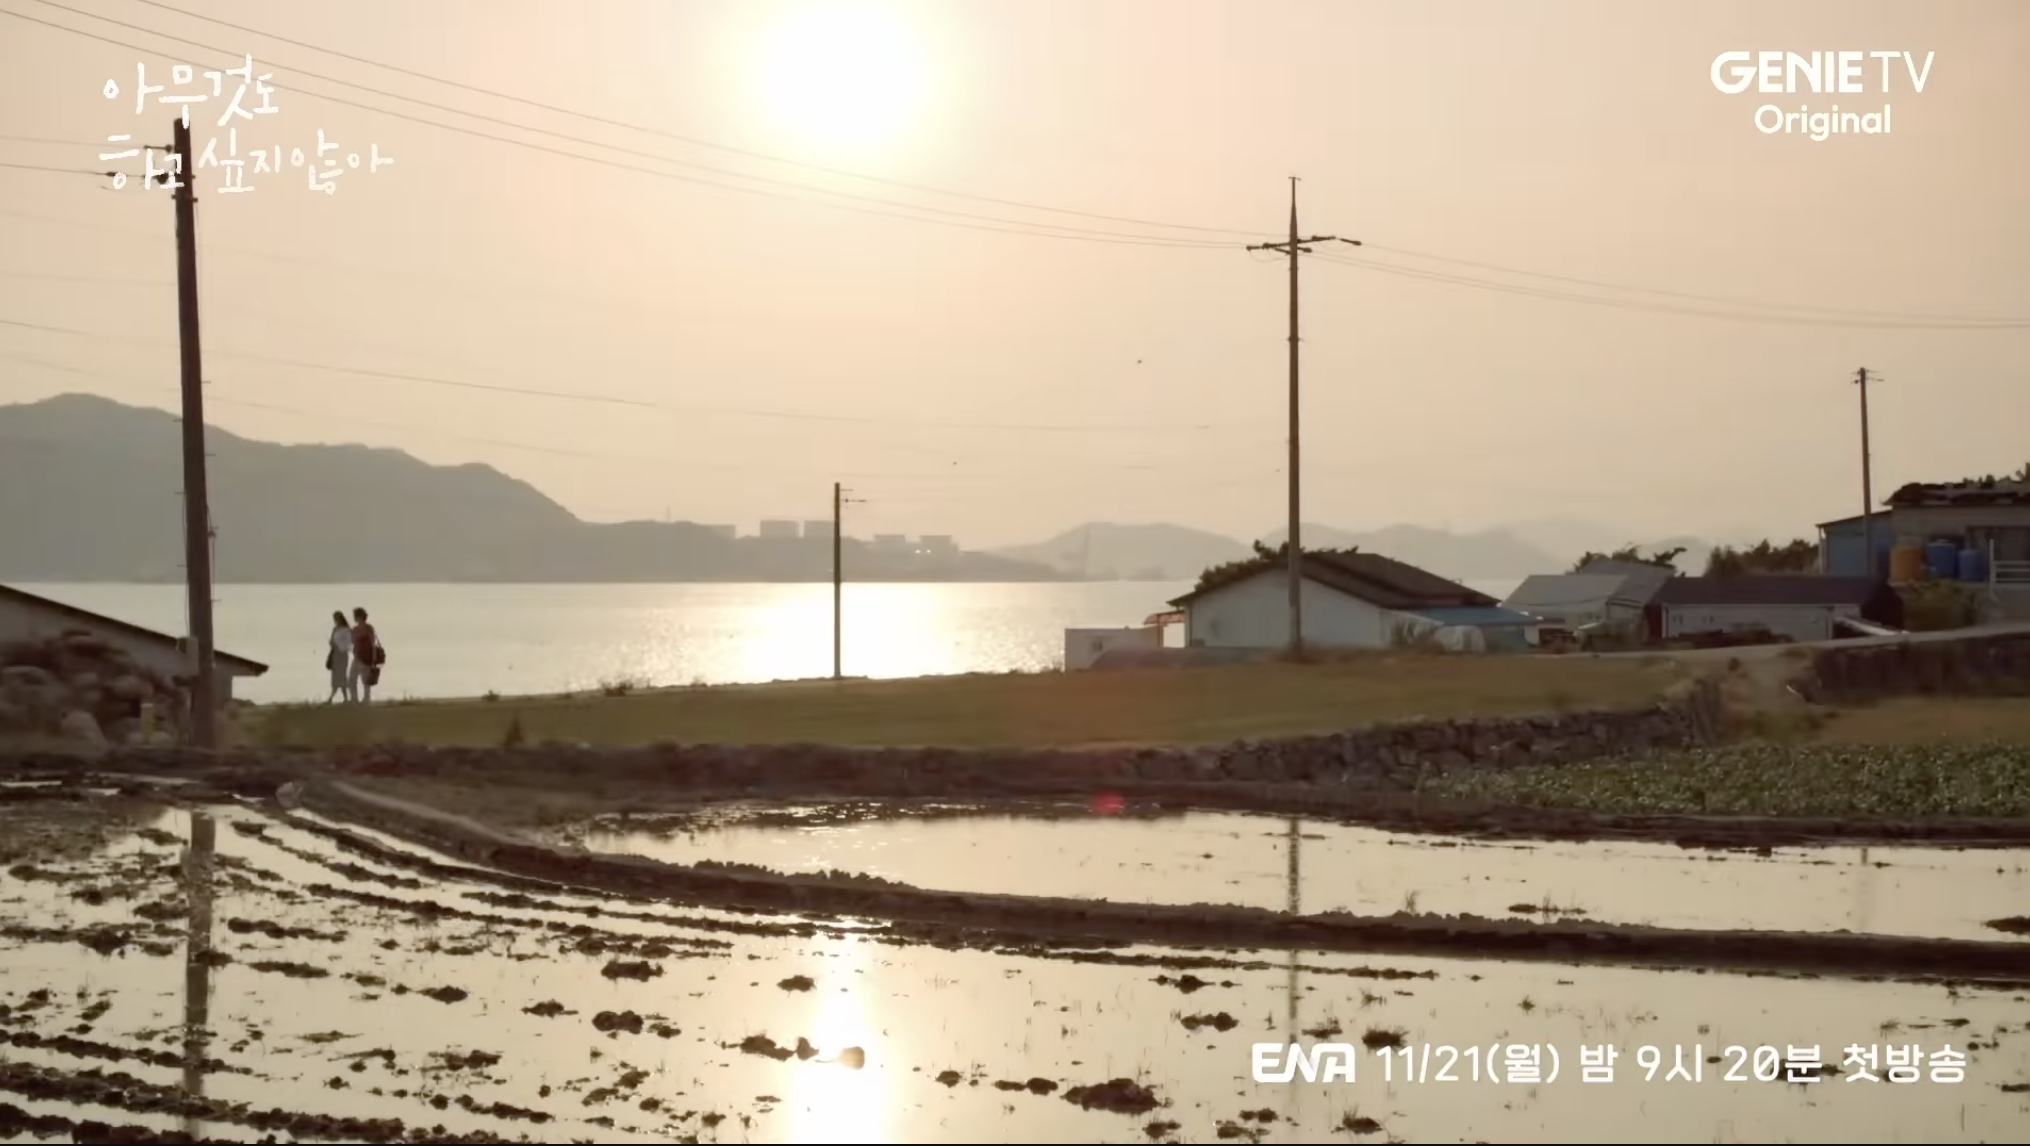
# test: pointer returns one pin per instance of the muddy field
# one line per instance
(347, 985)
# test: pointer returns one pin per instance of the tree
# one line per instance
(1663, 558)
(1799, 556)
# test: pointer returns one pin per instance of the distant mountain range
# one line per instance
(1107, 551)
(89, 491)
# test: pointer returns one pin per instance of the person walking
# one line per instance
(367, 657)
(338, 658)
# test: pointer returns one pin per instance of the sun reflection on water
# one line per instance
(831, 1101)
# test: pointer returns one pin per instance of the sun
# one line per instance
(844, 77)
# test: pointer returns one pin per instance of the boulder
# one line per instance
(78, 725)
(132, 686)
(27, 675)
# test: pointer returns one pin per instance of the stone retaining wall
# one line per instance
(1993, 665)
(1386, 757)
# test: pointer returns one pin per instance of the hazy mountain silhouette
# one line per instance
(1164, 552)
(90, 491)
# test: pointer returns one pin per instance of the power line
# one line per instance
(902, 184)
(55, 170)
(95, 280)
(686, 139)
(604, 399)
(1665, 308)
(47, 141)
(1723, 300)
(962, 219)
(1008, 226)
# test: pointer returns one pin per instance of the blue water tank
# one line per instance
(1973, 565)
(1942, 560)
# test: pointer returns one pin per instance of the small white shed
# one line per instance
(1082, 647)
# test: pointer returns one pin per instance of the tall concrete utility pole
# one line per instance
(1867, 479)
(1294, 246)
(196, 497)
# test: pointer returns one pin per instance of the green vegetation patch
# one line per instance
(1902, 782)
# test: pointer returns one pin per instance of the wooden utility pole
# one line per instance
(839, 502)
(196, 499)
(838, 585)
(1867, 480)
(1294, 246)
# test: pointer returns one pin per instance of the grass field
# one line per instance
(1919, 720)
(1155, 706)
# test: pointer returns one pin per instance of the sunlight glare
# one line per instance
(843, 76)
(831, 1102)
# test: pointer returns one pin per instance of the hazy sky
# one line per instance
(817, 326)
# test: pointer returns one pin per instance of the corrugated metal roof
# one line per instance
(1564, 591)
(1983, 492)
(1476, 616)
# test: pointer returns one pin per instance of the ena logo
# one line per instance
(1278, 1062)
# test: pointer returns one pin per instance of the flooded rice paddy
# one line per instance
(1244, 860)
(334, 997)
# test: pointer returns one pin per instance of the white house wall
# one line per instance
(1798, 622)
(1083, 647)
(22, 621)
(1255, 614)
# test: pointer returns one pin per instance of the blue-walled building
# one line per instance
(1842, 549)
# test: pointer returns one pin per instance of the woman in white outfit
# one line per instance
(339, 659)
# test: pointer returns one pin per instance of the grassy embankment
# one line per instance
(1155, 706)
(1909, 758)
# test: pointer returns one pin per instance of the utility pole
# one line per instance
(839, 502)
(196, 499)
(1867, 478)
(1294, 246)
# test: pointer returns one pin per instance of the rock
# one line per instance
(126, 730)
(78, 725)
(130, 687)
(24, 675)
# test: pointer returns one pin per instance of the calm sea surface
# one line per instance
(466, 640)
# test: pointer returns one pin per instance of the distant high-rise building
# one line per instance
(937, 545)
(727, 531)
(779, 529)
(818, 529)
(891, 542)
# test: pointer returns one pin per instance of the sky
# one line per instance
(985, 262)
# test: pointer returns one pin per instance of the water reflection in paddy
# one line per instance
(1244, 859)
(351, 1041)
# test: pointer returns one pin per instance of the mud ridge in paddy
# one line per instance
(997, 920)
(125, 1092)
(1372, 808)
(518, 789)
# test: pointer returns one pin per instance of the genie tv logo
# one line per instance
(1827, 74)
(1285, 1062)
